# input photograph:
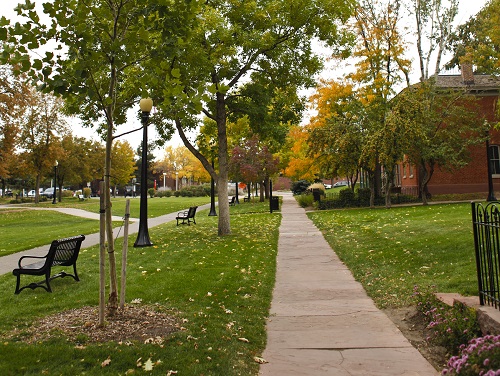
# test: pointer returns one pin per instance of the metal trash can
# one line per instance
(275, 203)
(317, 194)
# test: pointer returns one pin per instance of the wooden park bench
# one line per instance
(62, 252)
(246, 199)
(187, 216)
(232, 202)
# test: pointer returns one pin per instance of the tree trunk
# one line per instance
(388, 187)
(37, 189)
(124, 255)
(425, 178)
(113, 287)
(224, 227)
(102, 257)
(372, 188)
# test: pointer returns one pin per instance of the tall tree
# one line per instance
(433, 28)
(337, 131)
(14, 90)
(122, 164)
(42, 128)
(478, 41)
(381, 66)
(95, 58)
(252, 162)
(301, 159)
(441, 126)
(232, 42)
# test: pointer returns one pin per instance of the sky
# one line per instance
(467, 9)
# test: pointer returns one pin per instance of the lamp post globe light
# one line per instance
(143, 240)
(55, 182)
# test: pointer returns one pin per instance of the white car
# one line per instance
(342, 183)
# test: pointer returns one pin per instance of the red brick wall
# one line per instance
(471, 178)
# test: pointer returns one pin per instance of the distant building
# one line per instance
(472, 178)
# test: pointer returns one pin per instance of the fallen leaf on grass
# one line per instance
(148, 366)
(260, 360)
(243, 340)
(106, 363)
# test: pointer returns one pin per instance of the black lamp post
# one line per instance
(212, 212)
(55, 182)
(143, 240)
(491, 195)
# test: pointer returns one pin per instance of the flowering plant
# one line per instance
(481, 356)
(450, 326)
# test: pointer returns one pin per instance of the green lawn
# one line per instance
(156, 206)
(391, 251)
(47, 225)
(220, 286)
(22, 229)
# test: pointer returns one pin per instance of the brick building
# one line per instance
(472, 178)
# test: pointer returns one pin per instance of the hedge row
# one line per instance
(361, 198)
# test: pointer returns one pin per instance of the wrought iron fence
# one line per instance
(486, 225)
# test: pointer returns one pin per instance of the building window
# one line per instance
(495, 159)
(397, 176)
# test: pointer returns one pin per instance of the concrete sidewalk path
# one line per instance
(321, 320)
(9, 262)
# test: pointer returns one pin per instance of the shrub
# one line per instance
(151, 192)
(481, 356)
(299, 187)
(364, 196)
(305, 200)
(346, 196)
(319, 186)
(87, 192)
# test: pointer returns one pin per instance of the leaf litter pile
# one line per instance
(145, 324)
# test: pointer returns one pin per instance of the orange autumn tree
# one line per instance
(336, 132)
(301, 164)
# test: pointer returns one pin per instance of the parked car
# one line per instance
(49, 192)
(327, 186)
(31, 193)
(342, 183)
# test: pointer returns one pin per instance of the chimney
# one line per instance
(467, 74)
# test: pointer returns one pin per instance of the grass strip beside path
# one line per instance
(22, 229)
(156, 206)
(391, 251)
(221, 288)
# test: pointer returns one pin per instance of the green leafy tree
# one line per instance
(94, 60)
(381, 65)
(441, 124)
(231, 43)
